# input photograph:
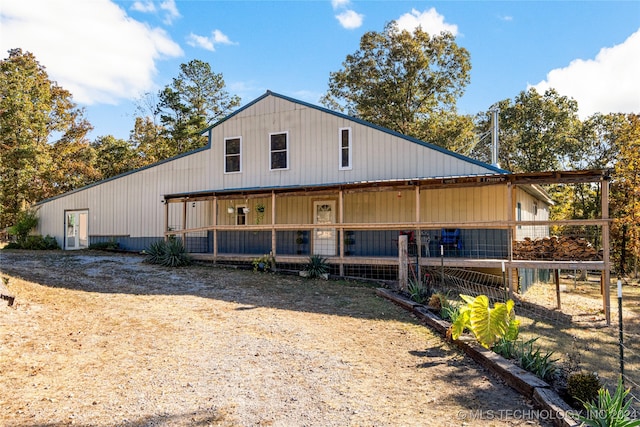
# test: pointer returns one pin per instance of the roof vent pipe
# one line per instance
(494, 136)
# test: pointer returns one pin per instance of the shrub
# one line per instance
(438, 301)
(505, 348)
(610, 411)
(583, 386)
(265, 263)
(487, 324)
(110, 245)
(26, 221)
(35, 242)
(316, 267)
(169, 253)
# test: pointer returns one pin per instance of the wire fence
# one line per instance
(570, 323)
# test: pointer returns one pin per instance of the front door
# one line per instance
(76, 225)
(324, 239)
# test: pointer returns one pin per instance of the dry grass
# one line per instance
(587, 338)
(103, 339)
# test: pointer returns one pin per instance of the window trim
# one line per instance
(286, 133)
(349, 147)
(240, 213)
(224, 148)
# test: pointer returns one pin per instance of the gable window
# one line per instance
(345, 148)
(232, 154)
(279, 150)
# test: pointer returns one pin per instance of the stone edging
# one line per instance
(526, 383)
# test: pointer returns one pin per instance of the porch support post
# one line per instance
(341, 234)
(166, 219)
(606, 273)
(215, 228)
(418, 233)
(273, 223)
(184, 222)
(403, 262)
(511, 207)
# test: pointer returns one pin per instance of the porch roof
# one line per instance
(528, 179)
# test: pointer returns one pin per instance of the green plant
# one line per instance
(26, 221)
(610, 411)
(169, 253)
(265, 263)
(487, 324)
(260, 213)
(105, 246)
(175, 254)
(535, 361)
(316, 267)
(583, 386)
(505, 348)
(450, 312)
(417, 292)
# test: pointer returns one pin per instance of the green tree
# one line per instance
(114, 156)
(537, 133)
(407, 82)
(149, 141)
(195, 99)
(38, 118)
(625, 195)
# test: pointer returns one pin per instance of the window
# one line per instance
(519, 213)
(241, 215)
(345, 148)
(232, 155)
(279, 150)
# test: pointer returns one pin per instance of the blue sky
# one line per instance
(109, 53)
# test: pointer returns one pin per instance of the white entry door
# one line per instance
(76, 225)
(324, 239)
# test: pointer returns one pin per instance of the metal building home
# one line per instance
(293, 179)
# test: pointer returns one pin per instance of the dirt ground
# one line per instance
(99, 339)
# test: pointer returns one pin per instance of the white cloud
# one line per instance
(143, 6)
(430, 21)
(208, 43)
(350, 19)
(93, 49)
(338, 4)
(172, 11)
(606, 84)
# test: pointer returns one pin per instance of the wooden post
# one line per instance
(606, 278)
(166, 218)
(341, 234)
(403, 262)
(556, 279)
(511, 236)
(184, 223)
(273, 223)
(215, 228)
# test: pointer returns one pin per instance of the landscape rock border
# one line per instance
(526, 383)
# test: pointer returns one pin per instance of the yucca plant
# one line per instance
(175, 254)
(169, 253)
(155, 252)
(487, 324)
(610, 411)
(316, 267)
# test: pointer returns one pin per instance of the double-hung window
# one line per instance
(344, 137)
(233, 155)
(279, 150)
